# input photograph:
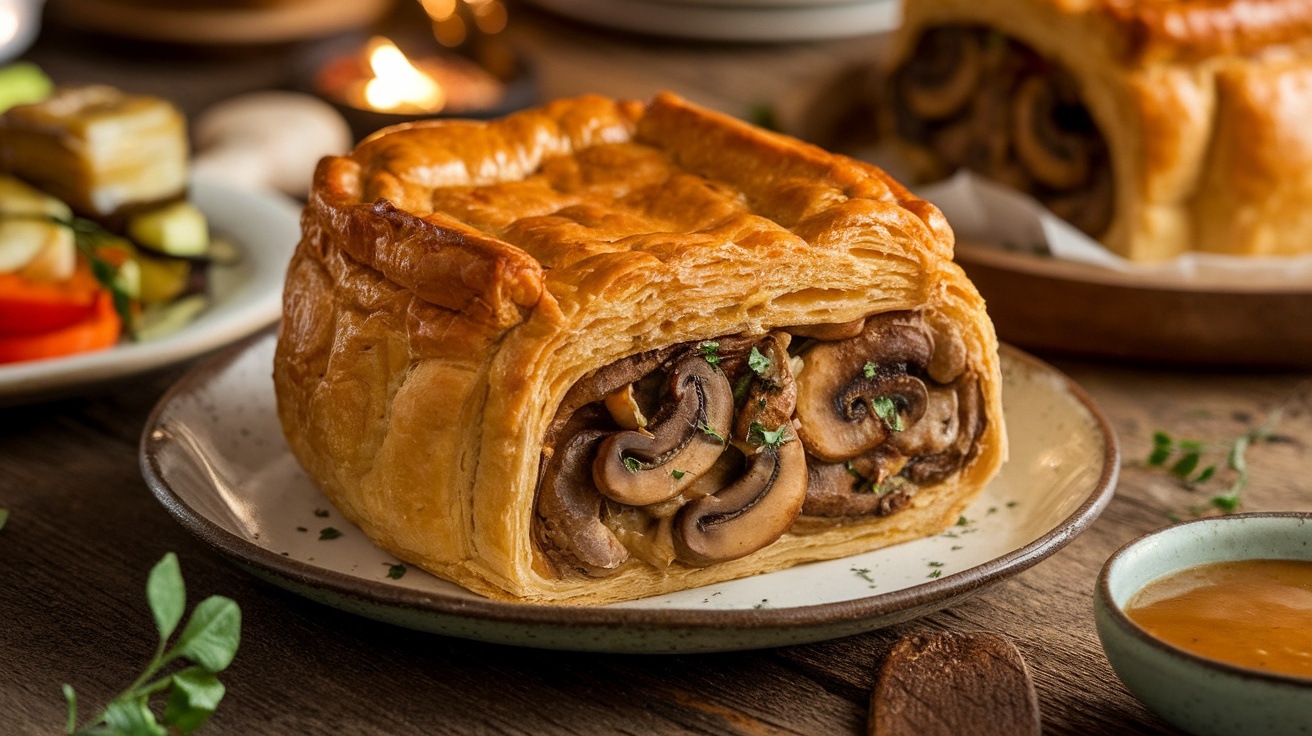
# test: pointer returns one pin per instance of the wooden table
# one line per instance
(84, 530)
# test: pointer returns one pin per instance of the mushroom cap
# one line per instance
(748, 514)
(639, 468)
(835, 396)
(570, 509)
(1055, 157)
(944, 73)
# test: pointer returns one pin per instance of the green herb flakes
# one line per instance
(321, 513)
(327, 533)
(934, 574)
(395, 572)
(759, 435)
(886, 409)
(678, 474)
(963, 521)
(936, 564)
(709, 430)
(864, 574)
(757, 361)
(868, 370)
(711, 352)
(631, 464)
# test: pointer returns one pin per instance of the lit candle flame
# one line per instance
(397, 83)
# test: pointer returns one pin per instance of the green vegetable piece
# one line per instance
(678, 474)
(757, 361)
(193, 699)
(212, 634)
(868, 370)
(178, 229)
(711, 352)
(759, 435)
(963, 521)
(631, 464)
(23, 83)
(886, 409)
(395, 572)
(167, 595)
(328, 533)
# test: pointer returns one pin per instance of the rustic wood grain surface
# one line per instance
(84, 530)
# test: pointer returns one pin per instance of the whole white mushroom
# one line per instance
(268, 139)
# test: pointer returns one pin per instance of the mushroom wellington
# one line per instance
(602, 350)
(1155, 126)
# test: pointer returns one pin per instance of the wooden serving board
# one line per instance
(1046, 305)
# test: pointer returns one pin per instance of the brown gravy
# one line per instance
(1252, 613)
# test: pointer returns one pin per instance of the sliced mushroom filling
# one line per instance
(716, 473)
(706, 452)
(883, 413)
(969, 97)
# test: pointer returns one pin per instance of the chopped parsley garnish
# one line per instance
(758, 434)
(302, 529)
(886, 409)
(321, 513)
(868, 369)
(760, 403)
(708, 429)
(328, 533)
(632, 464)
(757, 361)
(851, 470)
(678, 474)
(864, 574)
(936, 564)
(934, 574)
(763, 604)
(395, 572)
(963, 521)
(741, 387)
(1190, 454)
(711, 352)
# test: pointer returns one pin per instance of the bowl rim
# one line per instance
(1140, 634)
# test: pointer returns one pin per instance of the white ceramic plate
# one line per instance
(734, 20)
(214, 455)
(246, 298)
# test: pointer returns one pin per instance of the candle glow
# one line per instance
(397, 84)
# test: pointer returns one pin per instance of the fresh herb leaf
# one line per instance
(631, 464)
(209, 642)
(711, 352)
(868, 370)
(759, 435)
(1226, 502)
(1185, 465)
(709, 430)
(1204, 475)
(1162, 444)
(328, 533)
(936, 564)
(963, 521)
(741, 387)
(934, 574)
(851, 470)
(864, 574)
(760, 403)
(678, 474)
(886, 409)
(757, 361)
(321, 513)
(395, 572)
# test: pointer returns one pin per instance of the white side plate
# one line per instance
(246, 298)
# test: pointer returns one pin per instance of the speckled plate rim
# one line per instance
(1118, 616)
(938, 592)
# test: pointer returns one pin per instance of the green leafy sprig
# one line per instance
(886, 409)
(191, 694)
(757, 361)
(710, 350)
(1181, 459)
(757, 434)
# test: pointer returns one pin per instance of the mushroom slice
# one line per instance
(949, 359)
(747, 515)
(624, 409)
(865, 485)
(682, 441)
(1056, 157)
(936, 431)
(771, 396)
(845, 394)
(931, 468)
(829, 331)
(943, 74)
(569, 509)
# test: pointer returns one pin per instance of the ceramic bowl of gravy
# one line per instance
(1209, 623)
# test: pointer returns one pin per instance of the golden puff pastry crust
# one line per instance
(1186, 119)
(475, 307)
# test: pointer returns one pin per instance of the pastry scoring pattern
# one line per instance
(568, 356)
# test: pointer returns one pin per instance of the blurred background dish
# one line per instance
(735, 20)
(205, 22)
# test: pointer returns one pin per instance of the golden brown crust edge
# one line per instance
(423, 423)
